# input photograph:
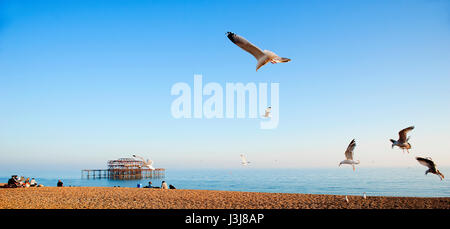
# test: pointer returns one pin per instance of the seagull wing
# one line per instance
(144, 163)
(426, 162)
(349, 151)
(139, 157)
(402, 134)
(246, 45)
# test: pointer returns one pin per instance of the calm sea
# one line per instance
(341, 181)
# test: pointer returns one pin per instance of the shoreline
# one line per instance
(140, 198)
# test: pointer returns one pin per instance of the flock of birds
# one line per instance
(402, 143)
(265, 56)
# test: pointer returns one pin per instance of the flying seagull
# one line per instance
(349, 155)
(244, 161)
(146, 163)
(428, 162)
(263, 57)
(267, 113)
(402, 141)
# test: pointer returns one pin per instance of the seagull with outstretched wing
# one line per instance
(403, 139)
(428, 162)
(349, 155)
(267, 113)
(244, 161)
(263, 57)
(146, 163)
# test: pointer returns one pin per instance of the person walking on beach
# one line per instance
(164, 185)
(59, 184)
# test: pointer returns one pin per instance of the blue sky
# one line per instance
(82, 82)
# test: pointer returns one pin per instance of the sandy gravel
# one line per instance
(134, 198)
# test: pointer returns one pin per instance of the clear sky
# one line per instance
(82, 82)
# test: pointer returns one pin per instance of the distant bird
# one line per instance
(146, 163)
(349, 155)
(402, 141)
(267, 113)
(346, 199)
(263, 57)
(428, 162)
(244, 161)
(364, 195)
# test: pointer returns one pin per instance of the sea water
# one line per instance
(340, 181)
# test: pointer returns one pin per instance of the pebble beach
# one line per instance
(140, 198)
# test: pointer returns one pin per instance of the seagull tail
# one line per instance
(281, 60)
(284, 59)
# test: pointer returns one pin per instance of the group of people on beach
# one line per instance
(16, 182)
(163, 185)
(20, 182)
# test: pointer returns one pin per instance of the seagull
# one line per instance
(147, 163)
(346, 199)
(267, 113)
(244, 161)
(364, 195)
(349, 155)
(428, 162)
(263, 57)
(402, 142)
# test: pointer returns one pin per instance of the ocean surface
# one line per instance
(339, 181)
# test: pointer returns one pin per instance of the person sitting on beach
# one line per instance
(171, 187)
(149, 185)
(16, 179)
(59, 184)
(33, 182)
(12, 182)
(164, 185)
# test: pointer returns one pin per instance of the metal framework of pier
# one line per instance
(123, 169)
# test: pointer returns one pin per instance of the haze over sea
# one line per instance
(405, 181)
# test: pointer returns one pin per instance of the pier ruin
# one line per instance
(124, 169)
